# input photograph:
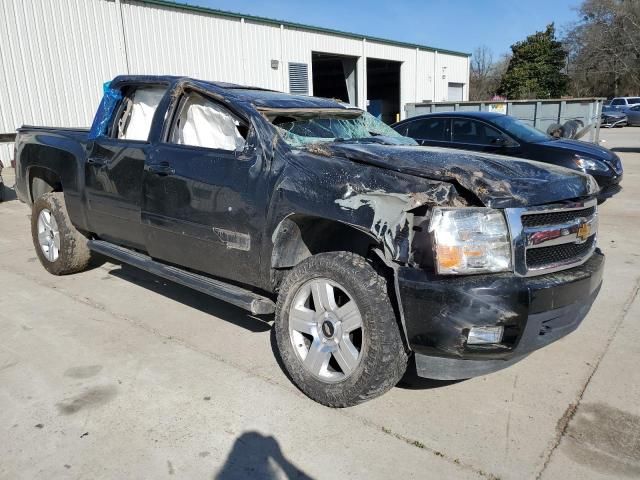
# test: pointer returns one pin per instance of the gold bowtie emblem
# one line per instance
(584, 231)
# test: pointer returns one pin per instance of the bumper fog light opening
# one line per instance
(485, 335)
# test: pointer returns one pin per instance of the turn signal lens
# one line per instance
(449, 257)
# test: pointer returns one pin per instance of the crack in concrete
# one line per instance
(569, 413)
(422, 446)
(251, 373)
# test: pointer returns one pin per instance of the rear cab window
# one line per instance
(134, 116)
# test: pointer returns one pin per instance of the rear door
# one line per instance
(114, 168)
(204, 203)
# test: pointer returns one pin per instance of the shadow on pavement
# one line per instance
(258, 456)
(239, 317)
(411, 380)
(7, 194)
(192, 298)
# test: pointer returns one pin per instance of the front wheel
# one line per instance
(337, 332)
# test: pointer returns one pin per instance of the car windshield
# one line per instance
(521, 130)
(302, 128)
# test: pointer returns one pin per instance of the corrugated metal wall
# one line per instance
(55, 55)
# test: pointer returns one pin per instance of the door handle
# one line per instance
(97, 161)
(162, 169)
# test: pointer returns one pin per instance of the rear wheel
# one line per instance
(337, 332)
(60, 247)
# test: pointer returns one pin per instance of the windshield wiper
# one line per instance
(374, 139)
(379, 140)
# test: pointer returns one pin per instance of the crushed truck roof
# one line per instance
(259, 97)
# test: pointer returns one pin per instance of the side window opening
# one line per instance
(429, 129)
(204, 123)
(136, 113)
(472, 132)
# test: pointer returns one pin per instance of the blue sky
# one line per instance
(459, 25)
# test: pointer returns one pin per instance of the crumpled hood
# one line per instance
(590, 149)
(497, 181)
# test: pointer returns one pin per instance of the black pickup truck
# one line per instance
(375, 254)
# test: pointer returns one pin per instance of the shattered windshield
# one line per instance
(300, 129)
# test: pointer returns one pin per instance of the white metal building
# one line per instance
(56, 54)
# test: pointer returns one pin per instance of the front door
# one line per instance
(114, 168)
(204, 204)
(430, 131)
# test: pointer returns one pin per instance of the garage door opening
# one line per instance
(455, 92)
(383, 89)
(334, 76)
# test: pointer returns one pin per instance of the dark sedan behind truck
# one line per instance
(493, 132)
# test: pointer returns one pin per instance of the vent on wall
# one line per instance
(299, 78)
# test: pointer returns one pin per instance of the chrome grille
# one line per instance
(539, 257)
(553, 237)
(555, 218)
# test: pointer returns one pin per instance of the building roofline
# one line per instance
(302, 26)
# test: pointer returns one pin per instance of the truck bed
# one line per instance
(58, 149)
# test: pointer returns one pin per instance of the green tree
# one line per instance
(536, 68)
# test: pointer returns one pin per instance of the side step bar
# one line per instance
(256, 304)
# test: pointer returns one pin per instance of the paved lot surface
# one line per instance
(113, 373)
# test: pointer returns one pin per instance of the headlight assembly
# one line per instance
(470, 240)
(590, 164)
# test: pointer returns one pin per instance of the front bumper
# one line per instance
(610, 122)
(609, 185)
(534, 311)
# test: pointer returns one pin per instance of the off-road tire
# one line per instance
(74, 255)
(384, 359)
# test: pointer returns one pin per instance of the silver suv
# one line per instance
(622, 103)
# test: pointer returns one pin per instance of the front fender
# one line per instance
(370, 199)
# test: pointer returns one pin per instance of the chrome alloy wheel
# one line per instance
(48, 235)
(326, 330)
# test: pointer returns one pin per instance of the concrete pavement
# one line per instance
(114, 373)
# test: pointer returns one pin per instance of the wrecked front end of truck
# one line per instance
(492, 257)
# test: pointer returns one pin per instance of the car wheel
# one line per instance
(60, 247)
(337, 332)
